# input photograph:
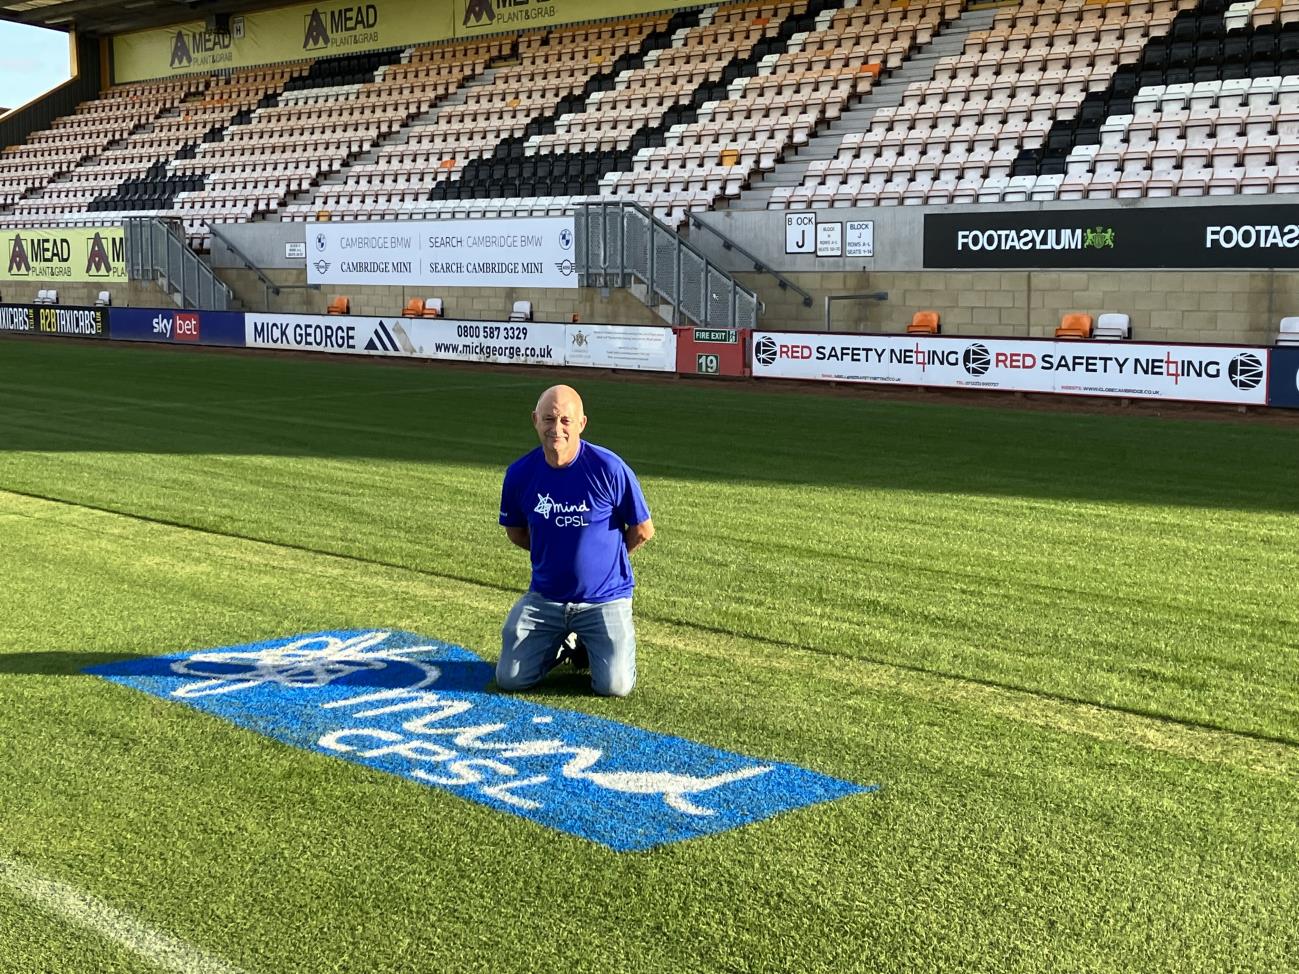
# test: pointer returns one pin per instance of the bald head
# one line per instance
(559, 420)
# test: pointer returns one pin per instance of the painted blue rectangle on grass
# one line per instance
(421, 709)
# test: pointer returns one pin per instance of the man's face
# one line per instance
(559, 421)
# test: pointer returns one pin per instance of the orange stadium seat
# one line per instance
(1075, 325)
(924, 323)
(340, 304)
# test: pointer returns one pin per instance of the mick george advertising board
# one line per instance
(1195, 373)
(528, 252)
(520, 343)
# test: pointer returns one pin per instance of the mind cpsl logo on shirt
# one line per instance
(566, 515)
(419, 708)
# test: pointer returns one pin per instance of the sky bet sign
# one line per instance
(182, 327)
(421, 709)
(1172, 237)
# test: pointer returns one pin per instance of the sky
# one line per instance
(32, 61)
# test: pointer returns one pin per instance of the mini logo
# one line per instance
(976, 359)
(180, 55)
(1245, 371)
(18, 260)
(320, 241)
(579, 339)
(186, 326)
(97, 262)
(566, 238)
(315, 37)
(566, 267)
(321, 266)
(765, 350)
(1099, 237)
(478, 11)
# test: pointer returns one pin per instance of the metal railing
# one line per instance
(728, 243)
(156, 250)
(620, 243)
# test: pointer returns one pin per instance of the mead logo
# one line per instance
(99, 263)
(323, 28)
(19, 263)
(1245, 371)
(976, 359)
(764, 350)
(422, 710)
(180, 55)
(477, 12)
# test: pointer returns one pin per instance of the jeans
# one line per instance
(535, 627)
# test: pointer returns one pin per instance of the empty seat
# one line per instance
(1075, 325)
(432, 307)
(926, 323)
(414, 308)
(522, 311)
(1113, 326)
(1288, 333)
(340, 304)
(103, 300)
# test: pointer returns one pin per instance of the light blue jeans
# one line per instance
(535, 627)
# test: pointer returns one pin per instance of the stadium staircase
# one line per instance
(887, 94)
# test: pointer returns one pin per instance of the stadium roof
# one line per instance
(115, 16)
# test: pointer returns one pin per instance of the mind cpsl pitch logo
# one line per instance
(421, 709)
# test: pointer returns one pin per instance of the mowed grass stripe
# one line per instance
(1003, 586)
(1001, 839)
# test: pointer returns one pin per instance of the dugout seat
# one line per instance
(104, 300)
(1075, 325)
(522, 311)
(924, 323)
(414, 308)
(432, 307)
(1113, 326)
(1288, 333)
(340, 304)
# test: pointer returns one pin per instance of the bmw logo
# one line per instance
(1245, 371)
(320, 241)
(976, 359)
(765, 350)
(566, 238)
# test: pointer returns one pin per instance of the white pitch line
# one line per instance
(86, 911)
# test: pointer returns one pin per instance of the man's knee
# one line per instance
(509, 679)
(615, 685)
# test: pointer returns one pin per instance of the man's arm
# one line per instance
(638, 534)
(520, 537)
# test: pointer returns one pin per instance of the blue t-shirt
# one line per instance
(575, 517)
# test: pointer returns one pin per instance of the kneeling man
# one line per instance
(578, 509)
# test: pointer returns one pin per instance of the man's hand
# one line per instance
(520, 537)
(637, 535)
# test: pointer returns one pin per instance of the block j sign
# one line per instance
(420, 709)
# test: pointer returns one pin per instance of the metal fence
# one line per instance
(156, 250)
(621, 244)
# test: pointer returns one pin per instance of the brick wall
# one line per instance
(1177, 306)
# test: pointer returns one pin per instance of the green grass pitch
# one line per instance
(1063, 644)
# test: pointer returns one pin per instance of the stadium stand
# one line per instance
(1050, 99)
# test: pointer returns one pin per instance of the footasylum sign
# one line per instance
(421, 709)
(1150, 237)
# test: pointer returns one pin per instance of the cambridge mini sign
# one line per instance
(420, 709)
